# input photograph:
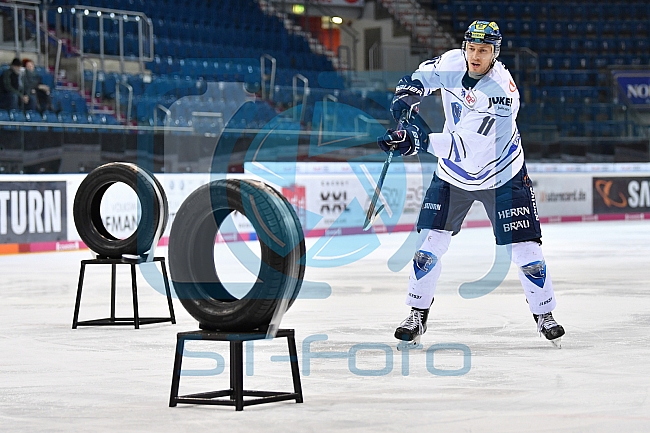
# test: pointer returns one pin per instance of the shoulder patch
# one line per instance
(512, 87)
(456, 111)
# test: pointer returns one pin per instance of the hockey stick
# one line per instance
(372, 214)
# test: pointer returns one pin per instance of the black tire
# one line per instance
(87, 217)
(192, 262)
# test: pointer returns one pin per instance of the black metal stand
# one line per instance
(136, 320)
(236, 393)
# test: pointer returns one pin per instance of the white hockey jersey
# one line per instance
(479, 147)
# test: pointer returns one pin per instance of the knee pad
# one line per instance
(524, 253)
(436, 241)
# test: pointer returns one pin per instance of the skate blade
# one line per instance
(557, 342)
(409, 345)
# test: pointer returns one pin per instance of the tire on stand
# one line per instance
(192, 261)
(87, 202)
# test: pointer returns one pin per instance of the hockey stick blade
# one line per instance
(370, 218)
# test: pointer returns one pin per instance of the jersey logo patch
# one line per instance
(470, 99)
(456, 110)
(535, 272)
(512, 86)
(423, 263)
(500, 102)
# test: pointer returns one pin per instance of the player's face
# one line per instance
(479, 57)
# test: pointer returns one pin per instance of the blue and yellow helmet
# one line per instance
(484, 32)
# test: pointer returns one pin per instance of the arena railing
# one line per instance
(145, 35)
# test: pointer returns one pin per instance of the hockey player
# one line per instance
(479, 158)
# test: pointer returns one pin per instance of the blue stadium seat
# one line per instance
(34, 116)
(610, 11)
(641, 45)
(137, 83)
(78, 103)
(5, 117)
(107, 119)
(590, 45)
(594, 12)
(511, 28)
(540, 44)
(67, 120)
(80, 119)
(18, 116)
(50, 117)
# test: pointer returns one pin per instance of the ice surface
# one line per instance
(107, 379)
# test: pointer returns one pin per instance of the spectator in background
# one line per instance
(12, 95)
(38, 92)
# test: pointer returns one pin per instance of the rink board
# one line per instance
(330, 199)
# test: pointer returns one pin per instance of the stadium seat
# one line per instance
(32, 116)
(17, 116)
(4, 117)
(68, 120)
(50, 117)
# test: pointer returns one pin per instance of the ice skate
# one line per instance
(411, 329)
(549, 328)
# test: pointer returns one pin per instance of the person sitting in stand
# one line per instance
(38, 92)
(12, 95)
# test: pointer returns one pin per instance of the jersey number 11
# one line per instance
(486, 125)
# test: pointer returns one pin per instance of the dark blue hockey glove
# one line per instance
(409, 140)
(408, 95)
